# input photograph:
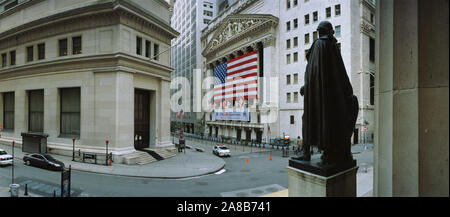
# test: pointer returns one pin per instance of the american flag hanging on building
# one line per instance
(237, 78)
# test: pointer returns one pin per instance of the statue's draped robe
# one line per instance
(329, 105)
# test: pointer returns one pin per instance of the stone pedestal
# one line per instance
(304, 183)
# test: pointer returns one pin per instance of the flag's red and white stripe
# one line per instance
(241, 79)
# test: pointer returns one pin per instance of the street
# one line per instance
(258, 177)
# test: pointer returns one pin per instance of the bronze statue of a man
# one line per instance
(330, 108)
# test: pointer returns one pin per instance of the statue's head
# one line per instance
(325, 28)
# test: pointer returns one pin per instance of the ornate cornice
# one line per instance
(237, 27)
(367, 28)
(91, 16)
(237, 7)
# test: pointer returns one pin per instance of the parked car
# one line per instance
(5, 158)
(221, 150)
(43, 161)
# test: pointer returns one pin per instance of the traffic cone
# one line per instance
(270, 156)
(246, 160)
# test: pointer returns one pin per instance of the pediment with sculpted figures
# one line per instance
(237, 26)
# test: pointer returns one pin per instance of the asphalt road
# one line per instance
(238, 175)
(257, 177)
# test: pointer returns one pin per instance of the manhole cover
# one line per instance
(202, 183)
(257, 192)
(271, 189)
(242, 194)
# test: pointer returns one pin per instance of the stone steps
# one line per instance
(138, 157)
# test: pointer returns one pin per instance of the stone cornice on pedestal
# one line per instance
(238, 27)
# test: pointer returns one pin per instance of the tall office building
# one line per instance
(189, 17)
(281, 32)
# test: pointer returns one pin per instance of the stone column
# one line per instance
(163, 131)
(411, 103)
(20, 112)
(51, 112)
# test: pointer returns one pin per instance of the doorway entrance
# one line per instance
(259, 135)
(239, 134)
(141, 119)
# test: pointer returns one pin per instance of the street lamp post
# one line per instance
(363, 121)
(73, 149)
(107, 156)
(12, 169)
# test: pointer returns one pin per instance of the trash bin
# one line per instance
(14, 189)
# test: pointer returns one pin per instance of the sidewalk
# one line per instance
(183, 165)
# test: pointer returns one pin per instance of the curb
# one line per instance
(153, 177)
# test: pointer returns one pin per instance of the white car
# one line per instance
(221, 150)
(5, 158)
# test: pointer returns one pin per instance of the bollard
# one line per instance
(26, 190)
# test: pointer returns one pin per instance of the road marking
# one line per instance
(220, 172)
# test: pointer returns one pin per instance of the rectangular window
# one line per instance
(288, 4)
(156, 51)
(8, 111)
(295, 57)
(296, 42)
(70, 111)
(288, 44)
(295, 97)
(337, 10)
(315, 16)
(288, 97)
(338, 31)
(314, 35)
(12, 58)
(3, 59)
(63, 47)
(296, 78)
(371, 18)
(11, 4)
(328, 12)
(295, 2)
(306, 19)
(288, 25)
(36, 110)
(41, 51)
(29, 53)
(288, 79)
(292, 119)
(147, 48)
(306, 38)
(138, 45)
(288, 59)
(372, 50)
(76, 45)
(295, 23)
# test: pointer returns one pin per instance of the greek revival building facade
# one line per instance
(93, 70)
(281, 32)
